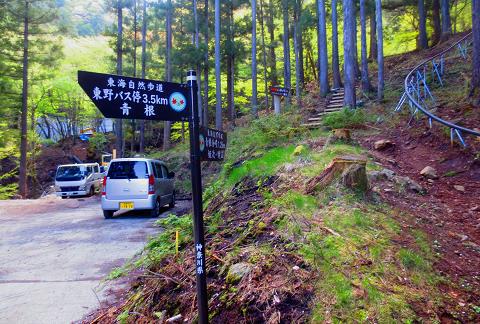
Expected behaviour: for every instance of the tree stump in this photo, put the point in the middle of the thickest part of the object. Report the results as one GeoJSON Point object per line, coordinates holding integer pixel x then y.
{"type": "Point", "coordinates": [340, 134]}
{"type": "Point", "coordinates": [351, 168]}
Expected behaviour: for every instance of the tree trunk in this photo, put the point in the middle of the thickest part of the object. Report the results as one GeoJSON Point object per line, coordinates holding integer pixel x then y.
{"type": "Point", "coordinates": [286, 47]}
{"type": "Point", "coordinates": [230, 67]}
{"type": "Point", "coordinates": [168, 25]}
{"type": "Point", "coordinates": [357, 66]}
{"type": "Point", "coordinates": [349, 52]}
{"type": "Point", "coordinates": [373, 36]}
{"type": "Point", "coordinates": [311, 61]}
{"type": "Point", "coordinates": [206, 68]}
{"type": "Point", "coordinates": [337, 80]}
{"type": "Point", "coordinates": [296, 23]}
{"type": "Point", "coordinates": [475, 93]}
{"type": "Point", "coordinates": [119, 122]}
{"type": "Point", "coordinates": [446, 23]}
{"type": "Point", "coordinates": [218, 90]}
{"type": "Point", "coordinates": [22, 185]}
{"type": "Point", "coordinates": [363, 27]}
{"type": "Point", "coordinates": [264, 52]}
{"type": "Point", "coordinates": [300, 46]}
{"type": "Point", "coordinates": [422, 25]}
{"type": "Point", "coordinates": [381, 82]}
{"type": "Point", "coordinates": [322, 49]}
{"type": "Point", "coordinates": [254, 58]}
{"type": "Point", "coordinates": [144, 57]}
{"type": "Point", "coordinates": [197, 46]}
{"type": "Point", "coordinates": [436, 22]}
{"type": "Point", "coordinates": [271, 47]}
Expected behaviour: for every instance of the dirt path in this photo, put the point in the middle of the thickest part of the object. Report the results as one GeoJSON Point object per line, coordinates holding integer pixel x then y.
{"type": "Point", "coordinates": [448, 213]}
{"type": "Point", "coordinates": [56, 252]}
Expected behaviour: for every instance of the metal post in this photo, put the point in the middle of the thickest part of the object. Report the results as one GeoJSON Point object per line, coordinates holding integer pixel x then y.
{"type": "Point", "coordinates": [200, 270]}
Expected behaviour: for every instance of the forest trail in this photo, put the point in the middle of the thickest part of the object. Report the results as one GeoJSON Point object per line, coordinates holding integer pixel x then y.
{"type": "Point", "coordinates": [449, 211]}
{"type": "Point", "coordinates": [335, 103]}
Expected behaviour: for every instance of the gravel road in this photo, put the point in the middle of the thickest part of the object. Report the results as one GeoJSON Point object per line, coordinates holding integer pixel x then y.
{"type": "Point", "coordinates": [54, 254]}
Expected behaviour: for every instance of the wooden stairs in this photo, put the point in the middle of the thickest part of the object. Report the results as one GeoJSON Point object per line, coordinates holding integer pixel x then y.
{"type": "Point", "coordinates": [334, 104]}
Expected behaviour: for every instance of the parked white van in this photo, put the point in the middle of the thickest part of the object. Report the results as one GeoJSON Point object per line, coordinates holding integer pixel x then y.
{"type": "Point", "coordinates": [73, 180]}
{"type": "Point", "coordinates": [137, 184]}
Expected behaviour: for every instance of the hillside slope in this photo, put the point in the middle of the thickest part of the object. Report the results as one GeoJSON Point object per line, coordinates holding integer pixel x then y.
{"type": "Point", "coordinates": [283, 245]}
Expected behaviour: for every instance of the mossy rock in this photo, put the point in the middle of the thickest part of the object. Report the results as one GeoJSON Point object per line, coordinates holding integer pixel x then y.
{"type": "Point", "coordinates": [238, 271]}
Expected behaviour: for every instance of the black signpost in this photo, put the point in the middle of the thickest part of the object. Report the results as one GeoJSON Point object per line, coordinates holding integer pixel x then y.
{"type": "Point", "coordinates": [132, 98]}
{"type": "Point", "coordinates": [212, 144]}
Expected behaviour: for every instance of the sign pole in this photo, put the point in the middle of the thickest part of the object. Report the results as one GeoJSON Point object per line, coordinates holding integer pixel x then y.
{"type": "Point", "coordinates": [198, 228]}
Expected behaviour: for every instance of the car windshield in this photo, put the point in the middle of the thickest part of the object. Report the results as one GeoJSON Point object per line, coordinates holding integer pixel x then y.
{"type": "Point", "coordinates": [128, 170]}
{"type": "Point", "coordinates": [71, 173]}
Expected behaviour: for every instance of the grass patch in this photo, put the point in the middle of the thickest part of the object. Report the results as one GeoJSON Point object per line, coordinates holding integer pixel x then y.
{"type": "Point", "coordinates": [350, 243]}
{"type": "Point", "coordinates": [450, 173]}
{"type": "Point", "coordinates": [265, 165]}
{"type": "Point", "coordinates": [164, 244]}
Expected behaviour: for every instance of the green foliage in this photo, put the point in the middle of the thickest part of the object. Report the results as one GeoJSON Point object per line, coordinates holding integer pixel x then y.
{"type": "Point", "coordinates": [122, 318]}
{"type": "Point", "coordinates": [8, 191]}
{"type": "Point", "coordinates": [347, 118]}
{"type": "Point", "coordinates": [98, 142]}
{"type": "Point", "coordinates": [116, 273]}
{"type": "Point", "coordinates": [164, 244]}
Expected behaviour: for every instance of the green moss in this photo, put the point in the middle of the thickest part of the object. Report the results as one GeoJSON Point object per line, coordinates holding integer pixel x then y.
{"type": "Point", "coordinates": [265, 165]}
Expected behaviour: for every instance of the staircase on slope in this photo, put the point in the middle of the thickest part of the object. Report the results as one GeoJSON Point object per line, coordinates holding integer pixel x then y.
{"type": "Point", "coordinates": [334, 104]}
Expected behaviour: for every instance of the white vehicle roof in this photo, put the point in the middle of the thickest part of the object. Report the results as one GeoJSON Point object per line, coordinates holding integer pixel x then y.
{"type": "Point", "coordinates": [77, 164]}
{"type": "Point", "coordinates": [136, 159]}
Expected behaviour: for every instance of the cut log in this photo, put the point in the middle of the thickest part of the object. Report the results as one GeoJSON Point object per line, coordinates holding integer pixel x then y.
{"type": "Point", "coordinates": [338, 167]}
{"type": "Point", "coordinates": [355, 177]}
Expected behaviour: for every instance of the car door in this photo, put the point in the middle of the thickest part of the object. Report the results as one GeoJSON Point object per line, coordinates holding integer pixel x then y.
{"type": "Point", "coordinates": [160, 183]}
{"type": "Point", "coordinates": [169, 184]}
{"type": "Point", "coordinates": [97, 176]}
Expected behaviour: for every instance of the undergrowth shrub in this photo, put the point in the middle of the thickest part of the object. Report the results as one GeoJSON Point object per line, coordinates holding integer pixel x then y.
{"type": "Point", "coordinates": [268, 131]}
{"type": "Point", "coordinates": [347, 118]}
{"type": "Point", "coordinates": [164, 244]}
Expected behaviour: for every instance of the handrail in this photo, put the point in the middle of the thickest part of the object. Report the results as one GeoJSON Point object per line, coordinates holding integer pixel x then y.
{"type": "Point", "coordinates": [417, 77]}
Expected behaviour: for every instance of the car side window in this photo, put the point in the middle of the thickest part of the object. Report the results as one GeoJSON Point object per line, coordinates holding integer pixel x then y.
{"type": "Point", "coordinates": [96, 169]}
{"type": "Point", "coordinates": [165, 171]}
{"type": "Point", "coordinates": [158, 170]}
{"type": "Point", "coordinates": [155, 170]}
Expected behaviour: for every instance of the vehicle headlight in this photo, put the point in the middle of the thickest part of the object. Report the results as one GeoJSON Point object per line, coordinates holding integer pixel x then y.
{"type": "Point", "coordinates": [57, 188]}
{"type": "Point", "coordinates": [81, 188]}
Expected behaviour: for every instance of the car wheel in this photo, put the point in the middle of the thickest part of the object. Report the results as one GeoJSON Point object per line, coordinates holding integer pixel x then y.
{"type": "Point", "coordinates": [156, 210]}
{"type": "Point", "coordinates": [172, 203]}
{"type": "Point", "coordinates": [64, 197]}
{"type": "Point", "coordinates": [108, 214]}
{"type": "Point", "coordinates": [92, 191]}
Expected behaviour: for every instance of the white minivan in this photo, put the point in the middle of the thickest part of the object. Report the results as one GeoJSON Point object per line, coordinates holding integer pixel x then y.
{"type": "Point", "coordinates": [73, 180]}
{"type": "Point", "coordinates": [137, 184]}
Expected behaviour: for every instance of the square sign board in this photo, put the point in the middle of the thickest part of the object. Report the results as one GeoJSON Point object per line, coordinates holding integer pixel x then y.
{"type": "Point", "coordinates": [133, 98]}
{"type": "Point", "coordinates": [212, 144]}
{"type": "Point", "coordinates": [279, 91]}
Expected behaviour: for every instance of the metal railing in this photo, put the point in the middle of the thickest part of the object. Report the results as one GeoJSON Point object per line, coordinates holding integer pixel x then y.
{"type": "Point", "coordinates": [417, 91]}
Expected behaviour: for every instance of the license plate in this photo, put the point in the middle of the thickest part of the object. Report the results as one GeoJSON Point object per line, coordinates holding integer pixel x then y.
{"type": "Point", "coordinates": [126, 205]}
